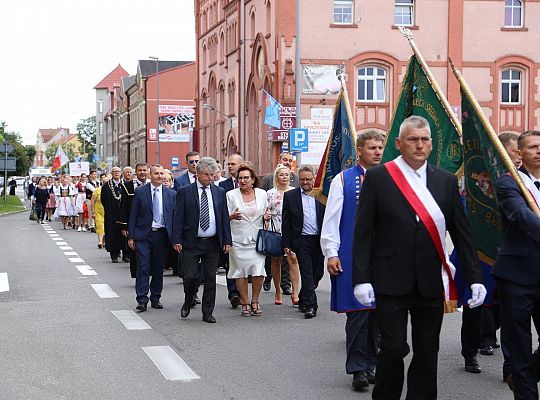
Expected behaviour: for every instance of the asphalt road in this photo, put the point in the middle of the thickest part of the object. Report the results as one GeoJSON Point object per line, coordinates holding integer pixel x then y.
{"type": "Point", "coordinates": [60, 340]}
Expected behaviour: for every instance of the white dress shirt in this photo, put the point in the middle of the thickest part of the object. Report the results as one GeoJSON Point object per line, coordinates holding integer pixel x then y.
{"type": "Point", "coordinates": [192, 177]}
{"type": "Point", "coordinates": [211, 231]}
{"type": "Point", "coordinates": [310, 215]}
{"type": "Point", "coordinates": [159, 194]}
{"type": "Point", "coordinates": [330, 237]}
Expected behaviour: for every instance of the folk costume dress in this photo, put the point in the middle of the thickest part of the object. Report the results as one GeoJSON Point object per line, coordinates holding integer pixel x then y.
{"type": "Point", "coordinates": [65, 201]}
{"type": "Point", "coordinates": [81, 198]}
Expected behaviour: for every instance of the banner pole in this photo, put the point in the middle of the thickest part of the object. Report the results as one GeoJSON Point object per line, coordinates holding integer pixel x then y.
{"type": "Point", "coordinates": [407, 33]}
{"type": "Point", "coordinates": [494, 139]}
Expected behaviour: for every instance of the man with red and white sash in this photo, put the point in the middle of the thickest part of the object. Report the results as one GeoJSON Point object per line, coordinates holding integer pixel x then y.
{"type": "Point", "coordinates": [336, 243]}
{"type": "Point", "coordinates": [517, 268]}
{"type": "Point", "coordinates": [399, 258]}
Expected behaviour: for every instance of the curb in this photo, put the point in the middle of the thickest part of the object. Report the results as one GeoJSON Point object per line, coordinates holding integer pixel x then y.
{"type": "Point", "coordinates": [13, 212]}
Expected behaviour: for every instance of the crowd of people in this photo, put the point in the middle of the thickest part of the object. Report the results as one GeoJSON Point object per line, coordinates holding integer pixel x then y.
{"type": "Point", "coordinates": [381, 236]}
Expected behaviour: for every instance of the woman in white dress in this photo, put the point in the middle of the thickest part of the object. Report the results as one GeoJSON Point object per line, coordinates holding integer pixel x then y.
{"type": "Point", "coordinates": [282, 177]}
{"type": "Point", "coordinates": [80, 201]}
{"type": "Point", "coordinates": [247, 210]}
{"type": "Point", "coordinates": [65, 194]}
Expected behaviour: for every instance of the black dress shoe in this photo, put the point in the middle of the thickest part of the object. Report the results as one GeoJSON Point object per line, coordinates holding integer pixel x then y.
{"type": "Point", "coordinates": [196, 300]}
{"type": "Point", "coordinates": [114, 260]}
{"type": "Point", "coordinates": [184, 311]}
{"type": "Point", "coordinates": [235, 301]}
{"type": "Point", "coordinates": [141, 307]}
{"type": "Point", "coordinates": [486, 351]}
{"type": "Point", "coordinates": [472, 366]}
{"type": "Point", "coordinates": [360, 380]}
{"type": "Point", "coordinates": [302, 308]}
{"type": "Point", "coordinates": [125, 259]}
{"type": "Point", "coordinates": [287, 290]}
{"type": "Point", "coordinates": [209, 318]}
{"type": "Point", "coordinates": [156, 304]}
{"type": "Point", "coordinates": [266, 286]}
{"type": "Point", "coordinates": [370, 376]}
{"type": "Point", "coordinates": [310, 313]}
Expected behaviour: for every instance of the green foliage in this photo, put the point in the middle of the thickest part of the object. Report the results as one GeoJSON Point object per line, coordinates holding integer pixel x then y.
{"type": "Point", "coordinates": [13, 204]}
{"type": "Point", "coordinates": [86, 130]}
{"type": "Point", "coordinates": [24, 154]}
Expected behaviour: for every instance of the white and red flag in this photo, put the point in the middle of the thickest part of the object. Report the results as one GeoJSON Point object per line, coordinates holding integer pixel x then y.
{"type": "Point", "coordinates": [60, 159]}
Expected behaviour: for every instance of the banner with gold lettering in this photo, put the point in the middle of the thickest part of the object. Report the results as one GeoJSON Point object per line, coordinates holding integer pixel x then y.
{"type": "Point", "coordinates": [419, 98]}
{"type": "Point", "coordinates": [481, 169]}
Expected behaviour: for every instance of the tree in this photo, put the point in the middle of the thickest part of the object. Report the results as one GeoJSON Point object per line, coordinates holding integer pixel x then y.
{"type": "Point", "coordinates": [86, 130]}
{"type": "Point", "coordinates": [24, 155]}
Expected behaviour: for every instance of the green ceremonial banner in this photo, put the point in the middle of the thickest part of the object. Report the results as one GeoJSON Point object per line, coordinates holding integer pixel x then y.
{"type": "Point", "coordinates": [482, 168]}
{"type": "Point", "coordinates": [419, 98]}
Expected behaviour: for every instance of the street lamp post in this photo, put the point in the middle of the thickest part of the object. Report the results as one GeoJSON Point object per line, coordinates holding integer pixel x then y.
{"type": "Point", "coordinates": [157, 107]}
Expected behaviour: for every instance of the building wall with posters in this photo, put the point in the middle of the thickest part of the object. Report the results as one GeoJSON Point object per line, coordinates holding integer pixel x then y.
{"type": "Point", "coordinates": [363, 36]}
{"type": "Point", "coordinates": [234, 69]}
{"type": "Point", "coordinates": [177, 93]}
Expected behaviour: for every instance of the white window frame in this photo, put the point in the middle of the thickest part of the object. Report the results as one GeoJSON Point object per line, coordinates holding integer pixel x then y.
{"type": "Point", "coordinates": [362, 74]}
{"type": "Point", "coordinates": [400, 4]}
{"type": "Point", "coordinates": [342, 4]}
{"type": "Point", "coordinates": [509, 82]}
{"type": "Point", "coordinates": [514, 8]}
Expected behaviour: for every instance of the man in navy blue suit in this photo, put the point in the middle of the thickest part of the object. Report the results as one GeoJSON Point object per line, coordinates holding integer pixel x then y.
{"type": "Point", "coordinates": [517, 267]}
{"type": "Point", "coordinates": [150, 230]}
{"type": "Point", "coordinates": [188, 177]}
{"type": "Point", "coordinates": [201, 229]}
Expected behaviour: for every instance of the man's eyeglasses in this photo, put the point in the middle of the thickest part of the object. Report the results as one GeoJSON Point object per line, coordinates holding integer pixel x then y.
{"type": "Point", "coordinates": [193, 161]}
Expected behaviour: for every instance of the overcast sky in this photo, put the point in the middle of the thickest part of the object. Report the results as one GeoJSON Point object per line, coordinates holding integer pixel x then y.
{"type": "Point", "coordinates": [53, 52]}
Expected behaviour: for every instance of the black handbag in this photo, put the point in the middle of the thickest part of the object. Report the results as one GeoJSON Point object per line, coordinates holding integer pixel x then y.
{"type": "Point", "coordinates": [269, 241]}
{"type": "Point", "coordinates": [33, 214]}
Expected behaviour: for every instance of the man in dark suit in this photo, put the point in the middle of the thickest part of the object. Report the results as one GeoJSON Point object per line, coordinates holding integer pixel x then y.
{"type": "Point", "coordinates": [190, 176]}
{"type": "Point", "coordinates": [517, 267]}
{"type": "Point", "coordinates": [150, 230]}
{"type": "Point", "coordinates": [233, 163]}
{"type": "Point", "coordinates": [111, 194]}
{"type": "Point", "coordinates": [302, 219]}
{"type": "Point", "coordinates": [394, 251]}
{"type": "Point", "coordinates": [286, 159]}
{"type": "Point", "coordinates": [201, 229]}
{"type": "Point", "coordinates": [128, 191]}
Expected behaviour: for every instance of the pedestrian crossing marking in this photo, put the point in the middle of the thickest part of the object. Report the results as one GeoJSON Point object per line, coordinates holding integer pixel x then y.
{"type": "Point", "coordinates": [4, 283]}
{"type": "Point", "coordinates": [104, 291]}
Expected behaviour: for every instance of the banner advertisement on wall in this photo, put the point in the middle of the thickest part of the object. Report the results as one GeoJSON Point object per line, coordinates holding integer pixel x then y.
{"type": "Point", "coordinates": [319, 132]}
{"type": "Point", "coordinates": [176, 122]}
{"type": "Point", "coordinates": [320, 79]}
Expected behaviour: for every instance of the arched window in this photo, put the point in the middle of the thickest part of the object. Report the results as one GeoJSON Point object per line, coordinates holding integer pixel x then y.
{"type": "Point", "coordinates": [513, 13]}
{"type": "Point", "coordinates": [511, 86]}
{"type": "Point", "coordinates": [371, 84]}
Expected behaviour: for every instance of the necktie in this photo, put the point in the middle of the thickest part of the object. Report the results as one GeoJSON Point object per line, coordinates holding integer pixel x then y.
{"type": "Point", "coordinates": [235, 183]}
{"type": "Point", "coordinates": [205, 214]}
{"type": "Point", "coordinates": [537, 184]}
{"type": "Point", "coordinates": [155, 206]}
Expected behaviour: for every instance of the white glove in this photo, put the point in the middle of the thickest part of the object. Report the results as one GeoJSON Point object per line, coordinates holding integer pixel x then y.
{"type": "Point", "coordinates": [478, 295]}
{"type": "Point", "coordinates": [364, 294]}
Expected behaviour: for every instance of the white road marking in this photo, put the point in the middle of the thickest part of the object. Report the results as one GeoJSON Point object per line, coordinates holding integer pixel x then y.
{"type": "Point", "coordinates": [4, 283]}
{"type": "Point", "coordinates": [104, 291]}
{"type": "Point", "coordinates": [221, 280]}
{"type": "Point", "coordinates": [61, 243]}
{"type": "Point", "coordinates": [49, 231]}
{"type": "Point", "coordinates": [75, 259]}
{"type": "Point", "coordinates": [57, 238]}
{"type": "Point", "coordinates": [54, 235]}
{"type": "Point", "coordinates": [66, 248]}
{"type": "Point", "coordinates": [131, 320]}
{"type": "Point", "coordinates": [70, 253]}
{"type": "Point", "coordinates": [171, 366]}
{"type": "Point", "coordinates": [85, 269]}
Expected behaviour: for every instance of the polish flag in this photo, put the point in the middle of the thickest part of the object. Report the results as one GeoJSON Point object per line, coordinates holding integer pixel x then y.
{"type": "Point", "coordinates": [60, 159]}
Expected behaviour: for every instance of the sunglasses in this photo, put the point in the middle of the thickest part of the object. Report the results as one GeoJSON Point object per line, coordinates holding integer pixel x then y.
{"type": "Point", "coordinates": [193, 162]}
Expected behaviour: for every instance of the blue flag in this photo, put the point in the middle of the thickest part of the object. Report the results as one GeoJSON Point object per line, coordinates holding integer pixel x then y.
{"type": "Point", "coordinates": [340, 152]}
{"type": "Point", "coordinates": [271, 116]}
